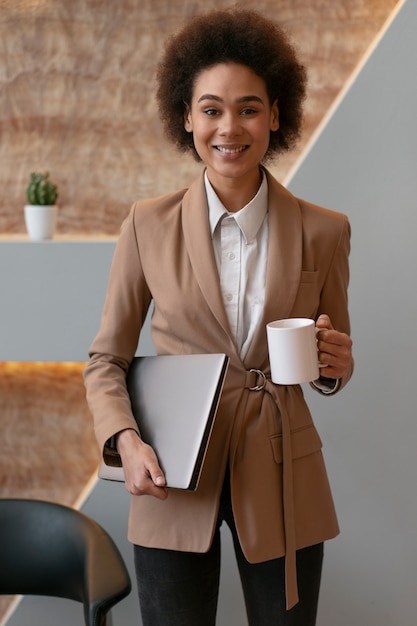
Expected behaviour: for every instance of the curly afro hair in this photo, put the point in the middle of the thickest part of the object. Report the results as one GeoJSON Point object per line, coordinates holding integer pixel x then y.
{"type": "Point", "coordinates": [239, 36]}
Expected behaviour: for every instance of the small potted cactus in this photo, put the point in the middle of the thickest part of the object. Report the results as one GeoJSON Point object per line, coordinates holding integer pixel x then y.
{"type": "Point", "coordinates": [41, 212]}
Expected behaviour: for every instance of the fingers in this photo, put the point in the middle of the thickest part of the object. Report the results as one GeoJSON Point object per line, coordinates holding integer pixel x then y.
{"type": "Point", "coordinates": [143, 474]}
{"type": "Point", "coordinates": [155, 481]}
{"type": "Point", "coordinates": [335, 352]}
{"type": "Point", "coordinates": [324, 322]}
{"type": "Point", "coordinates": [142, 483]}
{"type": "Point", "coordinates": [335, 349]}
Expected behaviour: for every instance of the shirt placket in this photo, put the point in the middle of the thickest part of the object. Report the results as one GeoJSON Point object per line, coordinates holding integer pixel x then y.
{"type": "Point", "coordinates": [230, 272]}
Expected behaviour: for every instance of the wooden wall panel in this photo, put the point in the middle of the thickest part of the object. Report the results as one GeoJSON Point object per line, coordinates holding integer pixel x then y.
{"type": "Point", "coordinates": [48, 446]}
{"type": "Point", "coordinates": [77, 95]}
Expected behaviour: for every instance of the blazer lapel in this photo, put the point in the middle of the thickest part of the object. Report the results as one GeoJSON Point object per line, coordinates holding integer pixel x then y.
{"type": "Point", "coordinates": [284, 264]}
{"type": "Point", "coordinates": [198, 241]}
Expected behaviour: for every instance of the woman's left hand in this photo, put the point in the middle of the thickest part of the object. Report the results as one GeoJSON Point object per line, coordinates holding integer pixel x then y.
{"type": "Point", "coordinates": [335, 349]}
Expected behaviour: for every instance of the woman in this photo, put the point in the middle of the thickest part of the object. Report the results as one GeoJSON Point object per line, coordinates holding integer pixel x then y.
{"type": "Point", "coordinates": [219, 260]}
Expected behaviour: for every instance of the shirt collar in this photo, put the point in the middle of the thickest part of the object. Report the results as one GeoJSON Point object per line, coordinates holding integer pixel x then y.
{"type": "Point", "coordinates": [249, 218]}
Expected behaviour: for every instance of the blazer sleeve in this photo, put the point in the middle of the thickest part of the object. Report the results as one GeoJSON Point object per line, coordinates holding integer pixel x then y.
{"type": "Point", "coordinates": [334, 295]}
{"type": "Point", "coordinates": [125, 308]}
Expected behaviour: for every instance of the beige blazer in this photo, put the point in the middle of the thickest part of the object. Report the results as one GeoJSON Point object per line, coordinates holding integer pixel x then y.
{"type": "Point", "coordinates": [165, 255]}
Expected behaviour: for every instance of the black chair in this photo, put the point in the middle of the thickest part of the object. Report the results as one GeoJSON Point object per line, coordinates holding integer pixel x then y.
{"type": "Point", "coordinates": [52, 550]}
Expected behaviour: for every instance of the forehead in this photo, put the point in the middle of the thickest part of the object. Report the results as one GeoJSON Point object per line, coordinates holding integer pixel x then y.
{"type": "Point", "coordinates": [228, 79]}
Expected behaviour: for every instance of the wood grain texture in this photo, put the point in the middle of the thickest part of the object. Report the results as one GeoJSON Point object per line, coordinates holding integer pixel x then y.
{"type": "Point", "coordinates": [77, 95]}
{"type": "Point", "coordinates": [48, 446]}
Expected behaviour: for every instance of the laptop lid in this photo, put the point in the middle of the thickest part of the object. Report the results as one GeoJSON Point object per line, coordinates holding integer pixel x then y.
{"type": "Point", "coordinates": [174, 401]}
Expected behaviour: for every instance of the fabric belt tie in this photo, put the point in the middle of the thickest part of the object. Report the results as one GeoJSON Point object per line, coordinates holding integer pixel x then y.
{"type": "Point", "coordinates": [256, 381]}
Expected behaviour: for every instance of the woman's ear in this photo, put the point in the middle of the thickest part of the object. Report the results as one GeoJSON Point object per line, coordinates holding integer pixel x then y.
{"type": "Point", "coordinates": [188, 125]}
{"type": "Point", "coordinates": [274, 116]}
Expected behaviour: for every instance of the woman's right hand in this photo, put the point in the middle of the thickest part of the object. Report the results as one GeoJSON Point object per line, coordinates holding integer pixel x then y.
{"type": "Point", "coordinates": [143, 475]}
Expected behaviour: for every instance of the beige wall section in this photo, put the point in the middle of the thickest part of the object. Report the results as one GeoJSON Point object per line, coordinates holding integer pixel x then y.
{"type": "Point", "coordinates": [77, 95]}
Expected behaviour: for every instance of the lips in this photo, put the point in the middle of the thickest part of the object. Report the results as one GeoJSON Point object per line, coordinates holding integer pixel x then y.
{"type": "Point", "coordinates": [231, 149]}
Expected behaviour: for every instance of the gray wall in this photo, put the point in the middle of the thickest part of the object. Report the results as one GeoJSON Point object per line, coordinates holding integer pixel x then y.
{"type": "Point", "coordinates": [364, 163]}
{"type": "Point", "coordinates": [52, 293]}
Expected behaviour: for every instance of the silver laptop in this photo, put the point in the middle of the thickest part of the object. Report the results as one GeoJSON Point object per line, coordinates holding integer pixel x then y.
{"type": "Point", "coordinates": [174, 401]}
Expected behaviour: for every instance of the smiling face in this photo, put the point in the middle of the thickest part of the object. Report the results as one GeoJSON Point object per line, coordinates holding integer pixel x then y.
{"type": "Point", "coordinates": [231, 117]}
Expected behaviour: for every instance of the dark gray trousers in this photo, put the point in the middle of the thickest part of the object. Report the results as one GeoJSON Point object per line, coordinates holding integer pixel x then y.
{"type": "Point", "coordinates": [181, 588]}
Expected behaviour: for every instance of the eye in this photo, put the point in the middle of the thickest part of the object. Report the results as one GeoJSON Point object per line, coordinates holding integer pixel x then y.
{"type": "Point", "coordinates": [248, 111]}
{"type": "Point", "coordinates": [210, 111]}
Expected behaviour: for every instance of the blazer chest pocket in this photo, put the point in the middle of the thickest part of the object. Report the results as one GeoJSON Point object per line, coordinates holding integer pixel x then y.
{"type": "Point", "coordinates": [308, 295]}
{"type": "Point", "coordinates": [304, 441]}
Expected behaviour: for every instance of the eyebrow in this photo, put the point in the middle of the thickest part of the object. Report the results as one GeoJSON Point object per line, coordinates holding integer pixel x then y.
{"type": "Point", "coordinates": [243, 99]}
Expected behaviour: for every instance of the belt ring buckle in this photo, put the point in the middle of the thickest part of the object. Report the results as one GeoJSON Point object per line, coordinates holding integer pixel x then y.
{"type": "Point", "coordinates": [259, 373]}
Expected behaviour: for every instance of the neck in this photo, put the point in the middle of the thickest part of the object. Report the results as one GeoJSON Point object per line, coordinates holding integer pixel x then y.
{"type": "Point", "coordinates": [235, 193]}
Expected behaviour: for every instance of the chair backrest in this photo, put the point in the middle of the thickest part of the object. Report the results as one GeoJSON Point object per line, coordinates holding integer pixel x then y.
{"type": "Point", "coordinates": [53, 550]}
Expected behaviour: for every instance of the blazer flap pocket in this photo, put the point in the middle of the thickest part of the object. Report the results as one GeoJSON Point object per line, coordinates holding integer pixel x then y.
{"type": "Point", "coordinates": [304, 441]}
{"type": "Point", "coordinates": [309, 277]}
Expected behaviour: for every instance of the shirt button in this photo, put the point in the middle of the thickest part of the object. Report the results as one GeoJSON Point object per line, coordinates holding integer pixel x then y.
{"type": "Point", "coordinates": [231, 256]}
{"type": "Point", "coordinates": [229, 297]}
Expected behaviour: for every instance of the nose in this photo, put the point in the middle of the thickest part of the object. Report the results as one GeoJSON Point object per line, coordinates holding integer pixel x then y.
{"type": "Point", "coordinates": [230, 125]}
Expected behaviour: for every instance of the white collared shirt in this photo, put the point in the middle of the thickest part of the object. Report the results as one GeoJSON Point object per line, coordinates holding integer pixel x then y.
{"type": "Point", "coordinates": [240, 242]}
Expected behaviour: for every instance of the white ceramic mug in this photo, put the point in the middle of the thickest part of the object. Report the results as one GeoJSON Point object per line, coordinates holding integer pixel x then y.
{"type": "Point", "coordinates": [292, 346]}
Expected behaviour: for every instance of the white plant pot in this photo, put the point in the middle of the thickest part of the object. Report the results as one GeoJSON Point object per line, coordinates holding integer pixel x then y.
{"type": "Point", "coordinates": [40, 221]}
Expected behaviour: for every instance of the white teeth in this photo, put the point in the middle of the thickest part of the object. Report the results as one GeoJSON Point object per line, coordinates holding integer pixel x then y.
{"type": "Point", "coordinates": [231, 150]}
